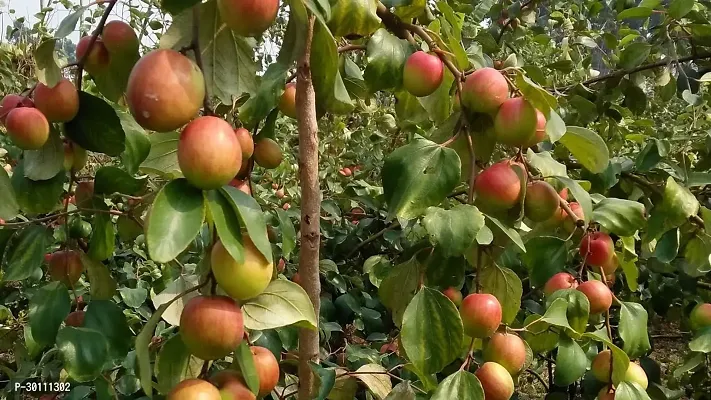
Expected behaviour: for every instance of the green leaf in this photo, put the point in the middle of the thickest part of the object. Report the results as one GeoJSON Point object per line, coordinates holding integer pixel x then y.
{"type": "Point", "coordinates": [399, 286]}
{"type": "Point", "coordinates": [580, 194]}
{"type": "Point", "coordinates": [631, 391]}
{"type": "Point", "coordinates": [325, 379]}
{"type": "Point", "coordinates": [679, 8]}
{"type": "Point", "coordinates": [462, 385]}
{"type": "Point", "coordinates": [545, 163]}
{"type": "Point", "coordinates": [402, 391]}
{"type": "Point", "coordinates": [111, 180]}
{"type": "Point", "coordinates": [697, 253]}
{"type": "Point", "coordinates": [634, 54]}
{"type": "Point", "coordinates": [282, 303]}
{"type": "Point", "coordinates": [226, 223]}
{"type": "Point", "coordinates": [48, 308]}
{"type": "Point", "coordinates": [47, 162]}
{"type": "Point", "coordinates": [570, 362]}
{"type": "Point", "coordinates": [354, 17]}
{"type": "Point", "coordinates": [538, 96]}
{"type": "Point", "coordinates": [633, 329]}
{"type": "Point", "coordinates": [432, 331]}
{"type": "Point", "coordinates": [578, 310]}
{"type": "Point", "coordinates": [538, 336]}
{"type": "Point", "coordinates": [667, 247]}
{"type": "Point", "coordinates": [103, 286]}
{"type": "Point", "coordinates": [375, 378]}
{"type": "Point", "coordinates": [245, 360]}
{"type": "Point", "coordinates": [176, 6]}
{"type": "Point", "coordinates": [386, 55]}
{"type": "Point", "coordinates": [138, 144]}
{"type": "Point", "coordinates": [557, 314]}
{"type": "Point", "coordinates": [288, 233]}
{"type": "Point", "coordinates": [36, 197]}
{"type": "Point", "coordinates": [103, 235]}
{"type": "Point", "coordinates": [546, 256]}
{"type": "Point", "coordinates": [133, 297]}
{"type": "Point", "coordinates": [619, 216]}
{"type": "Point", "coordinates": [588, 147]}
{"type": "Point", "coordinates": [251, 217]}
{"type": "Point", "coordinates": [96, 127]}
{"type": "Point", "coordinates": [69, 23]}
{"type": "Point", "coordinates": [453, 231]}
{"type": "Point", "coordinates": [635, 13]}
{"type": "Point", "coordinates": [84, 351]}
{"type": "Point", "coordinates": [331, 93]}
{"type": "Point", "coordinates": [163, 157]}
{"type": "Point", "coordinates": [228, 59]}
{"type": "Point", "coordinates": [113, 80]}
{"type": "Point", "coordinates": [481, 9]}
{"type": "Point", "coordinates": [9, 208]}
{"type": "Point", "coordinates": [174, 364]}
{"type": "Point", "coordinates": [106, 317]}
{"type": "Point", "coordinates": [508, 231]}
{"type": "Point", "coordinates": [506, 286]}
{"type": "Point", "coordinates": [25, 253]}
{"type": "Point", "coordinates": [175, 219]}
{"type": "Point", "coordinates": [701, 342]}
{"type": "Point", "coordinates": [47, 70]}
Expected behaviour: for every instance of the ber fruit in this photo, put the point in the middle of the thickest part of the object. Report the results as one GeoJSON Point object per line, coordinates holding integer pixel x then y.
{"type": "Point", "coordinates": [540, 130]}
{"type": "Point", "coordinates": [97, 61]}
{"type": "Point", "coordinates": [541, 201]}
{"type": "Point", "coordinates": [700, 316]}
{"type": "Point", "coordinates": [27, 127]}
{"type": "Point", "coordinates": [12, 101]}
{"type": "Point", "coordinates": [59, 103]}
{"type": "Point", "coordinates": [485, 90]}
{"type": "Point", "coordinates": [267, 153]}
{"type": "Point", "coordinates": [561, 280]}
{"type": "Point", "coordinates": [635, 373]}
{"type": "Point", "coordinates": [423, 74]}
{"type": "Point", "coordinates": [232, 386]}
{"type": "Point", "coordinates": [481, 315]}
{"type": "Point", "coordinates": [194, 389]}
{"type": "Point", "coordinates": [119, 38]}
{"type": "Point", "coordinates": [496, 381]}
{"type": "Point", "coordinates": [287, 101]}
{"type": "Point", "coordinates": [75, 319]}
{"type": "Point", "coordinates": [209, 153]}
{"type": "Point", "coordinates": [211, 326]}
{"type": "Point", "coordinates": [66, 267]}
{"type": "Point", "coordinates": [453, 294]}
{"type": "Point", "coordinates": [597, 248]}
{"type": "Point", "coordinates": [598, 294]}
{"type": "Point", "coordinates": [246, 143]}
{"type": "Point", "coordinates": [507, 350]}
{"type": "Point", "coordinates": [75, 157]}
{"type": "Point", "coordinates": [248, 17]}
{"type": "Point", "coordinates": [243, 280]}
{"type": "Point", "coordinates": [267, 368]}
{"type": "Point", "coordinates": [165, 90]}
{"type": "Point", "coordinates": [515, 122]}
{"type": "Point", "coordinates": [498, 187]}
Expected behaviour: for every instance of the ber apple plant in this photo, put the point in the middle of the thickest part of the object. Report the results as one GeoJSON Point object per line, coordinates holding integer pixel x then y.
{"type": "Point", "coordinates": [358, 199]}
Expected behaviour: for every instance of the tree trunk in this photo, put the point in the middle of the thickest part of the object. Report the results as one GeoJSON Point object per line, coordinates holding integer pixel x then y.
{"type": "Point", "coordinates": [310, 210]}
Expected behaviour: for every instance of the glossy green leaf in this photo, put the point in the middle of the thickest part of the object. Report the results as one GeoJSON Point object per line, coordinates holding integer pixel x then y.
{"type": "Point", "coordinates": [633, 329]}
{"type": "Point", "coordinates": [176, 6]}
{"type": "Point", "coordinates": [580, 194]}
{"type": "Point", "coordinates": [354, 17]}
{"type": "Point", "coordinates": [620, 360]}
{"type": "Point", "coordinates": [103, 286]}
{"type": "Point", "coordinates": [588, 147]}
{"type": "Point", "coordinates": [111, 180]}
{"type": "Point", "coordinates": [538, 336]}
{"type": "Point", "coordinates": [402, 391]}
{"type": "Point", "coordinates": [103, 235]}
{"type": "Point", "coordinates": [399, 286]}
{"type": "Point", "coordinates": [619, 216]}
{"type": "Point", "coordinates": [36, 197]}
{"type": "Point", "coordinates": [506, 286]}
{"type": "Point", "coordinates": [138, 144]}
{"type": "Point", "coordinates": [386, 56]}
{"type": "Point", "coordinates": [557, 314]}
{"type": "Point", "coordinates": [702, 341]}
{"type": "Point", "coordinates": [634, 13]}
{"type": "Point", "coordinates": [69, 23]}
{"type": "Point", "coordinates": [288, 233]}
{"type": "Point", "coordinates": [174, 364]}
{"type": "Point", "coordinates": [461, 385]}
{"type": "Point", "coordinates": [538, 96]}
{"type": "Point", "coordinates": [570, 362]}
{"type": "Point", "coordinates": [25, 253]}
{"type": "Point", "coordinates": [106, 317]}
{"type": "Point", "coordinates": [227, 224]}
{"type": "Point", "coordinates": [634, 54]}
{"type": "Point", "coordinates": [331, 93]}
{"type": "Point", "coordinates": [162, 159]}
{"type": "Point", "coordinates": [49, 306]}
{"type": "Point", "coordinates": [546, 164]}
{"type": "Point", "coordinates": [96, 127]}
{"type": "Point", "coordinates": [245, 361]}
{"type": "Point", "coordinates": [48, 71]}
{"type": "Point", "coordinates": [84, 351]}
{"type": "Point", "coordinates": [9, 208]}
{"type": "Point", "coordinates": [251, 217]}
{"type": "Point", "coordinates": [432, 331]}
{"type": "Point", "coordinates": [282, 303]}
{"type": "Point", "coordinates": [174, 220]}
{"type": "Point", "coordinates": [47, 162]}
{"type": "Point", "coordinates": [453, 230]}
{"type": "Point", "coordinates": [631, 391]}
{"type": "Point", "coordinates": [546, 256]}
{"type": "Point", "coordinates": [679, 8]}
{"type": "Point", "coordinates": [578, 310]}
{"type": "Point", "coordinates": [508, 231]}
{"type": "Point", "coordinates": [133, 297]}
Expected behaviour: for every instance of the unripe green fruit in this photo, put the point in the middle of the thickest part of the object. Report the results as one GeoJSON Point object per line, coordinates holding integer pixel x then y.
{"type": "Point", "coordinates": [59, 103]}
{"type": "Point", "coordinates": [498, 187]}
{"type": "Point", "coordinates": [209, 153]}
{"type": "Point", "coordinates": [496, 381]}
{"type": "Point", "coordinates": [508, 350]}
{"type": "Point", "coordinates": [287, 101]}
{"type": "Point", "coordinates": [267, 153]}
{"type": "Point", "coordinates": [248, 17]}
{"type": "Point", "coordinates": [194, 389]}
{"type": "Point", "coordinates": [75, 157]}
{"type": "Point", "coordinates": [165, 90]}
{"type": "Point", "coordinates": [78, 228]}
{"type": "Point", "coordinates": [211, 326]}
{"type": "Point", "coordinates": [423, 74]}
{"type": "Point", "coordinates": [636, 374]}
{"type": "Point", "coordinates": [541, 201]}
{"type": "Point", "coordinates": [243, 280]}
{"type": "Point", "coordinates": [485, 90]}
{"type": "Point", "coordinates": [27, 127]}
{"type": "Point", "coordinates": [515, 122]}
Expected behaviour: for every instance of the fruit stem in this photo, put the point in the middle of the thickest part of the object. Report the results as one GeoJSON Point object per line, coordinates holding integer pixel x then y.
{"type": "Point", "coordinates": [195, 47]}
{"type": "Point", "coordinates": [94, 36]}
{"type": "Point", "coordinates": [579, 222]}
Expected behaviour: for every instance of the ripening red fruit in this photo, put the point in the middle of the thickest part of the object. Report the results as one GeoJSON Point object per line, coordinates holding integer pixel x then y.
{"type": "Point", "coordinates": [165, 90]}
{"type": "Point", "coordinates": [496, 381]}
{"type": "Point", "coordinates": [286, 206]}
{"type": "Point", "coordinates": [59, 103]}
{"type": "Point", "coordinates": [246, 143]}
{"type": "Point", "coordinates": [243, 280]}
{"type": "Point", "coordinates": [597, 248]}
{"type": "Point", "coordinates": [27, 127]}
{"type": "Point", "coordinates": [609, 267]}
{"type": "Point", "coordinates": [231, 386]}
{"type": "Point", "coordinates": [481, 315]}
{"type": "Point", "coordinates": [561, 280]}
{"type": "Point", "coordinates": [194, 389]}
{"type": "Point", "coordinates": [515, 122]}
{"type": "Point", "coordinates": [267, 368]}
{"type": "Point", "coordinates": [267, 153]}
{"type": "Point", "coordinates": [423, 74]}
{"type": "Point", "coordinates": [66, 267]}
{"type": "Point", "coordinates": [600, 366]}
{"type": "Point", "coordinates": [10, 102]}
{"type": "Point", "coordinates": [119, 38]}
{"type": "Point", "coordinates": [211, 326]}
{"type": "Point", "coordinates": [248, 17]}
{"type": "Point", "coordinates": [540, 130]}
{"type": "Point", "coordinates": [453, 294]}
{"type": "Point", "coordinates": [287, 101]}
{"type": "Point", "coordinates": [98, 59]}
{"type": "Point", "coordinates": [598, 294]}
{"type": "Point", "coordinates": [280, 193]}
{"type": "Point", "coordinates": [241, 185]}
{"type": "Point", "coordinates": [700, 316]}
{"type": "Point", "coordinates": [345, 172]}
{"type": "Point", "coordinates": [281, 266]}
{"type": "Point", "coordinates": [75, 319]}
{"type": "Point", "coordinates": [498, 187]}
{"type": "Point", "coordinates": [507, 350]}
{"type": "Point", "coordinates": [485, 90]}
{"type": "Point", "coordinates": [209, 153]}
{"type": "Point", "coordinates": [541, 201]}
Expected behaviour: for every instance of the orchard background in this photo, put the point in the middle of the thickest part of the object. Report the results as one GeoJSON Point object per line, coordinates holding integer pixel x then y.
{"type": "Point", "coordinates": [356, 199]}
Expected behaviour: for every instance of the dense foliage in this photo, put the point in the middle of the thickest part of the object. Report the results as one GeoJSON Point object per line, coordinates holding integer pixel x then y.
{"type": "Point", "coordinates": [512, 196]}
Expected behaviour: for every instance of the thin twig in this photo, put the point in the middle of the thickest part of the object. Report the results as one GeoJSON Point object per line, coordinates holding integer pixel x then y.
{"type": "Point", "coordinates": [394, 225]}
{"type": "Point", "coordinates": [539, 377]}
{"type": "Point", "coordinates": [195, 47]}
{"type": "Point", "coordinates": [94, 37]}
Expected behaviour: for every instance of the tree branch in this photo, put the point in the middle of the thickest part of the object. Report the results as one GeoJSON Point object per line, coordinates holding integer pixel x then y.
{"type": "Point", "coordinates": [94, 37]}
{"type": "Point", "coordinates": [373, 238]}
{"type": "Point", "coordinates": [195, 47]}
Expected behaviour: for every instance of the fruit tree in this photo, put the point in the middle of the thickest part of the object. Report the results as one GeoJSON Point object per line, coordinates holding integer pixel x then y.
{"type": "Point", "coordinates": [356, 199]}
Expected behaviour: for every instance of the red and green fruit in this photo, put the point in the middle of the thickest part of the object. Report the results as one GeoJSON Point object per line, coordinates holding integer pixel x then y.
{"type": "Point", "coordinates": [12, 101]}
{"type": "Point", "coordinates": [561, 280]}
{"type": "Point", "coordinates": [453, 294]}
{"type": "Point", "coordinates": [27, 127]}
{"type": "Point", "coordinates": [119, 38]}
{"type": "Point", "coordinates": [485, 90]}
{"type": "Point", "coordinates": [243, 280]}
{"type": "Point", "coordinates": [267, 368]}
{"type": "Point", "coordinates": [231, 386]}
{"type": "Point", "coordinates": [635, 373]}
{"type": "Point", "coordinates": [423, 74]}
{"type": "Point", "coordinates": [241, 185]}
{"type": "Point", "coordinates": [600, 366]}
{"type": "Point", "coordinates": [75, 319]}
{"type": "Point", "coordinates": [515, 122]}
{"type": "Point", "coordinates": [700, 316]}
{"type": "Point", "coordinates": [496, 381]}
{"type": "Point", "coordinates": [597, 248]}
{"type": "Point", "coordinates": [211, 326]}
{"type": "Point", "coordinates": [507, 350]}
{"type": "Point", "coordinates": [246, 143]}
{"type": "Point", "coordinates": [267, 153]}
{"type": "Point", "coordinates": [481, 315]}
{"type": "Point", "coordinates": [610, 266]}
{"type": "Point", "coordinates": [75, 157]}
{"type": "Point", "coordinates": [194, 389]}
{"type": "Point", "coordinates": [209, 153]}
{"type": "Point", "coordinates": [541, 201]}
{"type": "Point", "coordinates": [66, 267]}
{"type": "Point", "coordinates": [165, 90]}
{"type": "Point", "coordinates": [498, 187]}
{"type": "Point", "coordinates": [59, 103]}
{"type": "Point", "coordinates": [287, 101]}
{"type": "Point", "coordinates": [540, 130]}
{"type": "Point", "coordinates": [97, 61]}
{"type": "Point", "coordinates": [598, 294]}
{"type": "Point", "coordinates": [248, 17]}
